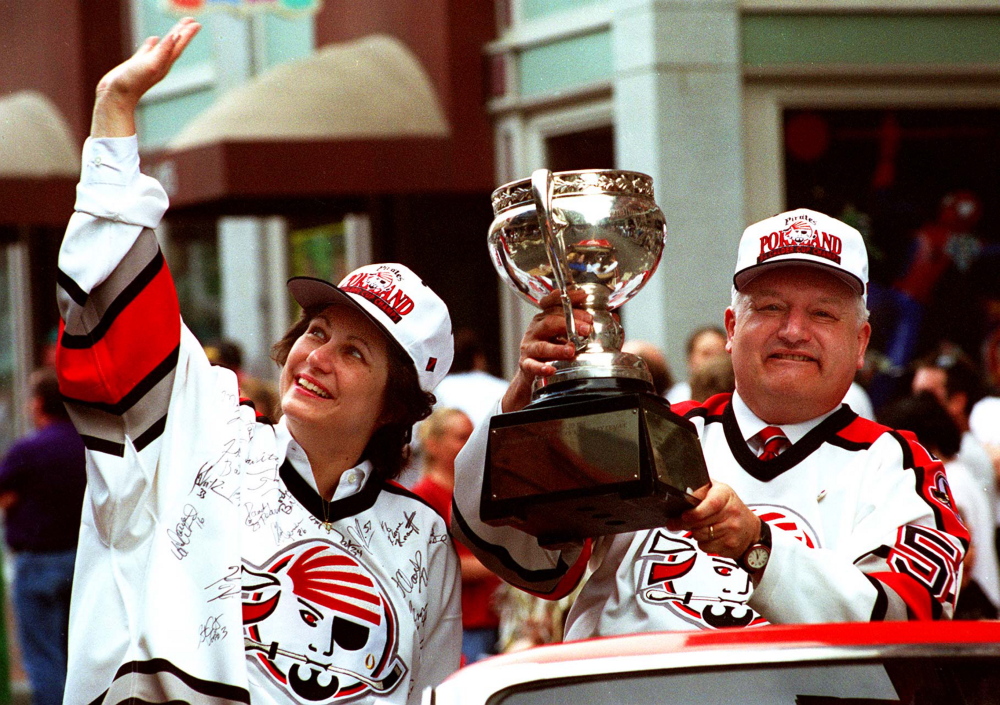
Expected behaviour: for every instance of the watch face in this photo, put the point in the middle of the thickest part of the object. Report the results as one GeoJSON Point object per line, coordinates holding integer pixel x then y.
{"type": "Point", "coordinates": [757, 557]}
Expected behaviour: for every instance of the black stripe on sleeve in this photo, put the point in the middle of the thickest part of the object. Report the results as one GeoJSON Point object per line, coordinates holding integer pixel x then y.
{"type": "Point", "coordinates": [530, 577]}
{"type": "Point", "coordinates": [882, 552]}
{"type": "Point", "coordinates": [909, 462]}
{"type": "Point", "coordinates": [213, 689]}
{"type": "Point", "coordinates": [71, 288]}
{"type": "Point", "coordinates": [100, 445]}
{"type": "Point", "coordinates": [154, 431]}
{"type": "Point", "coordinates": [881, 606]}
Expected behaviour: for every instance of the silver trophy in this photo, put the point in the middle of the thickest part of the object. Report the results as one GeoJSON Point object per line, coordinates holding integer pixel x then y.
{"type": "Point", "coordinates": [596, 451]}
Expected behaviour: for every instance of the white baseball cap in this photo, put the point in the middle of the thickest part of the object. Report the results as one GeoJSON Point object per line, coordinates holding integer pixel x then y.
{"type": "Point", "coordinates": [803, 236]}
{"type": "Point", "coordinates": [400, 304]}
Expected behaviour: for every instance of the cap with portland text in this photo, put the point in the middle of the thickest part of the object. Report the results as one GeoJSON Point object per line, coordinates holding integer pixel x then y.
{"type": "Point", "coordinates": [803, 237]}
{"type": "Point", "coordinates": [411, 315]}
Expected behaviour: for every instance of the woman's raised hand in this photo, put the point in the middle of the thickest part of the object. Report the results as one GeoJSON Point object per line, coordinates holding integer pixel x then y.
{"type": "Point", "coordinates": [119, 92]}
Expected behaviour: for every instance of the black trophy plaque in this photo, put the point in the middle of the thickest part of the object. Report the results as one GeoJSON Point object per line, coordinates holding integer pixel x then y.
{"type": "Point", "coordinates": [567, 470]}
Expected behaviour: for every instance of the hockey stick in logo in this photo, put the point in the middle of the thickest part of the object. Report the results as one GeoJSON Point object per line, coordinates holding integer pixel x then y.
{"type": "Point", "coordinates": [383, 685]}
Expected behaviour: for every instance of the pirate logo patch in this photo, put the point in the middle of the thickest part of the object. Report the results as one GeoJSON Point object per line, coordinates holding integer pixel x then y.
{"type": "Point", "coordinates": [800, 236]}
{"type": "Point", "coordinates": [940, 490]}
{"type": "Point", "coordinates": [706, 590]}
{"type": "Point", "coordinates": [319, 625]}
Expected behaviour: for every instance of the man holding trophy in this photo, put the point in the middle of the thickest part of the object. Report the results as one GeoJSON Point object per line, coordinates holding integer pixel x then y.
{"type": "Point", "coordinates": [808, 513]}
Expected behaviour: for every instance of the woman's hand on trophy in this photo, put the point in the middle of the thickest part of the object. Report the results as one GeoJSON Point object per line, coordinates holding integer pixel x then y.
{"type": "Point", "coordinates": [545, 341]}
{"type": "Point", "coordinates": [119, 92]}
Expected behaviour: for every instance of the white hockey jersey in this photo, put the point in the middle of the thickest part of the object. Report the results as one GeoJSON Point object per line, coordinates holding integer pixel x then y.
{"type": "Point", "coordinates": [209, 570]}
{"type": "Point", "coordinates": [862, 522]}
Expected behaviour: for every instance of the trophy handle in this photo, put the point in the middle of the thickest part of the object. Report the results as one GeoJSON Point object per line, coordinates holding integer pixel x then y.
{"type": "Point", "coordinates": [541, 192]}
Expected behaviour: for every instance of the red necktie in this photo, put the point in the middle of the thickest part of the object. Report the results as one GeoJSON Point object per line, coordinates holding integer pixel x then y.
{"type": "Point", "coordinates": [773, 441]}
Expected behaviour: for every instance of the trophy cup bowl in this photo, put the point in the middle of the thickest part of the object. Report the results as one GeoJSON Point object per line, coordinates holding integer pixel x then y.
{"type": "Point", "coordinates": [596, 451]}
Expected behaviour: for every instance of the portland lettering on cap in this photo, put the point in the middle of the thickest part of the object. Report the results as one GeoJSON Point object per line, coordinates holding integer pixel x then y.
{"type": "Point", "coordinates": [800, 236]}
{"type": "Point", "coordinates": [382, 290]}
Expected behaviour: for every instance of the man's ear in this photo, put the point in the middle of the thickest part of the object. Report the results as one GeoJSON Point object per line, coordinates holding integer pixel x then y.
{"type": "Point", "coordinates": [864, 335]}
{"type": "Point", "coordinates": [730, 322]}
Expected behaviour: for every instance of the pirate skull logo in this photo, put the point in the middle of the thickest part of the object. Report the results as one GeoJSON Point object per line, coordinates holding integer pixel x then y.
{"type": "Point", "coordinates": [319, 625]}
{"type": "Point", "coordinates": [379, 282]}
{"type": "Point", "coordinates": [800, 232]}
{"type": "Point", "coordinates": [706, 590]}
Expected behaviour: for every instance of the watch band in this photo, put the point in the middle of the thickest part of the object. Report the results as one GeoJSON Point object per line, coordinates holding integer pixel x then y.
{"type": "Point", "coordinates": [765, 534]}
{"type": "Point", "coordinates": [761, 550]}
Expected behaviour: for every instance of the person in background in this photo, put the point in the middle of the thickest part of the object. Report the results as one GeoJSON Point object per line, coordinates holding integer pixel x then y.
{"type": "Point", "coordinates": [469, 386]}
{"type": "Point", "coordinates": [949, 241]}
{"type": "Point", "coordinates": [261, 392]}
{"type": "Point", "coordinates": [228, 354]}
{"type": "Point", "coordinates": [953, 379]}
{"type": "Point", "coordinates": [527, 621]}
{"type": "Point", "coordinates": [923, 415]}
{"type": "Point", "coordinates": [442, 436]}
{"type": "Point", "coordinates": [655, 360]}
{"type": "Point", "coordinates": [984, 418]}
{"type": "Point", "coordinates": [716, 376]}
{"type": "Point", "coordinates": [42, 482]}
{"type": "Point", "coordinates": [702, 345]}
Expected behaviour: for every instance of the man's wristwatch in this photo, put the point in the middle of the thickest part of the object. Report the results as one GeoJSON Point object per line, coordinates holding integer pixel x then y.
{"type": "Point", "coordinates": [755, 558]}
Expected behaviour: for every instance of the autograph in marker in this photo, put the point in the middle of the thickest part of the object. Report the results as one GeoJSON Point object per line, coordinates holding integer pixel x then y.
{"type": "Point", "coordinates": [180, 535]}
{"type": "Point", "coordinates": [212, 631]}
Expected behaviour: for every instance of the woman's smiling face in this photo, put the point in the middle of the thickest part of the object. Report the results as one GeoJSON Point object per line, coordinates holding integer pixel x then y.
{"type": "Point", "coordinates": [335, 376]}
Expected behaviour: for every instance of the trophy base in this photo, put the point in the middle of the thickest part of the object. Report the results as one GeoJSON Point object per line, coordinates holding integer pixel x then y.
{"type": "Point", "coordinates": [568, 469]}
{"type": "Point", "coordinates": [593, 369]}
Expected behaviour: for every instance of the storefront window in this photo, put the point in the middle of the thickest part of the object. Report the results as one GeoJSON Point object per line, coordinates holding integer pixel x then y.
{"type": "Point", "coordinates": [193, 256]}
{"type": "Point", "coordinates": [328, 250]}
{"type": "Point", "coordinates": [319, 252]}
{"type": "Point", "coordinates": [922, 186]}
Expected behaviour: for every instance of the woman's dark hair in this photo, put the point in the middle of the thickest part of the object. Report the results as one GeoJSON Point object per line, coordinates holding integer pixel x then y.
{"type": "Point", "coordinates": [403, 401]}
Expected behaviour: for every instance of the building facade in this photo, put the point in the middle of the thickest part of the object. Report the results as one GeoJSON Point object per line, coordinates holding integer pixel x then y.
{"type": "Point", "coordinates": [871, 110]}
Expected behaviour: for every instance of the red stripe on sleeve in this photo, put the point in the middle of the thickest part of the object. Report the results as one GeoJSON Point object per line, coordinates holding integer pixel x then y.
{"type": "Point", "coordinates": [912, 592]}
{"type": "Point", "coordinates": [139, 339]}
{"type": "Point", "coordinates": [936, 491]}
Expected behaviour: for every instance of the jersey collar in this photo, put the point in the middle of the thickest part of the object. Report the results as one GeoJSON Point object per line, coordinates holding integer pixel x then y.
{"type": "Point", "coordinates": [291, 453]}
{"type": "Point", "coordinates": [750, 424]}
